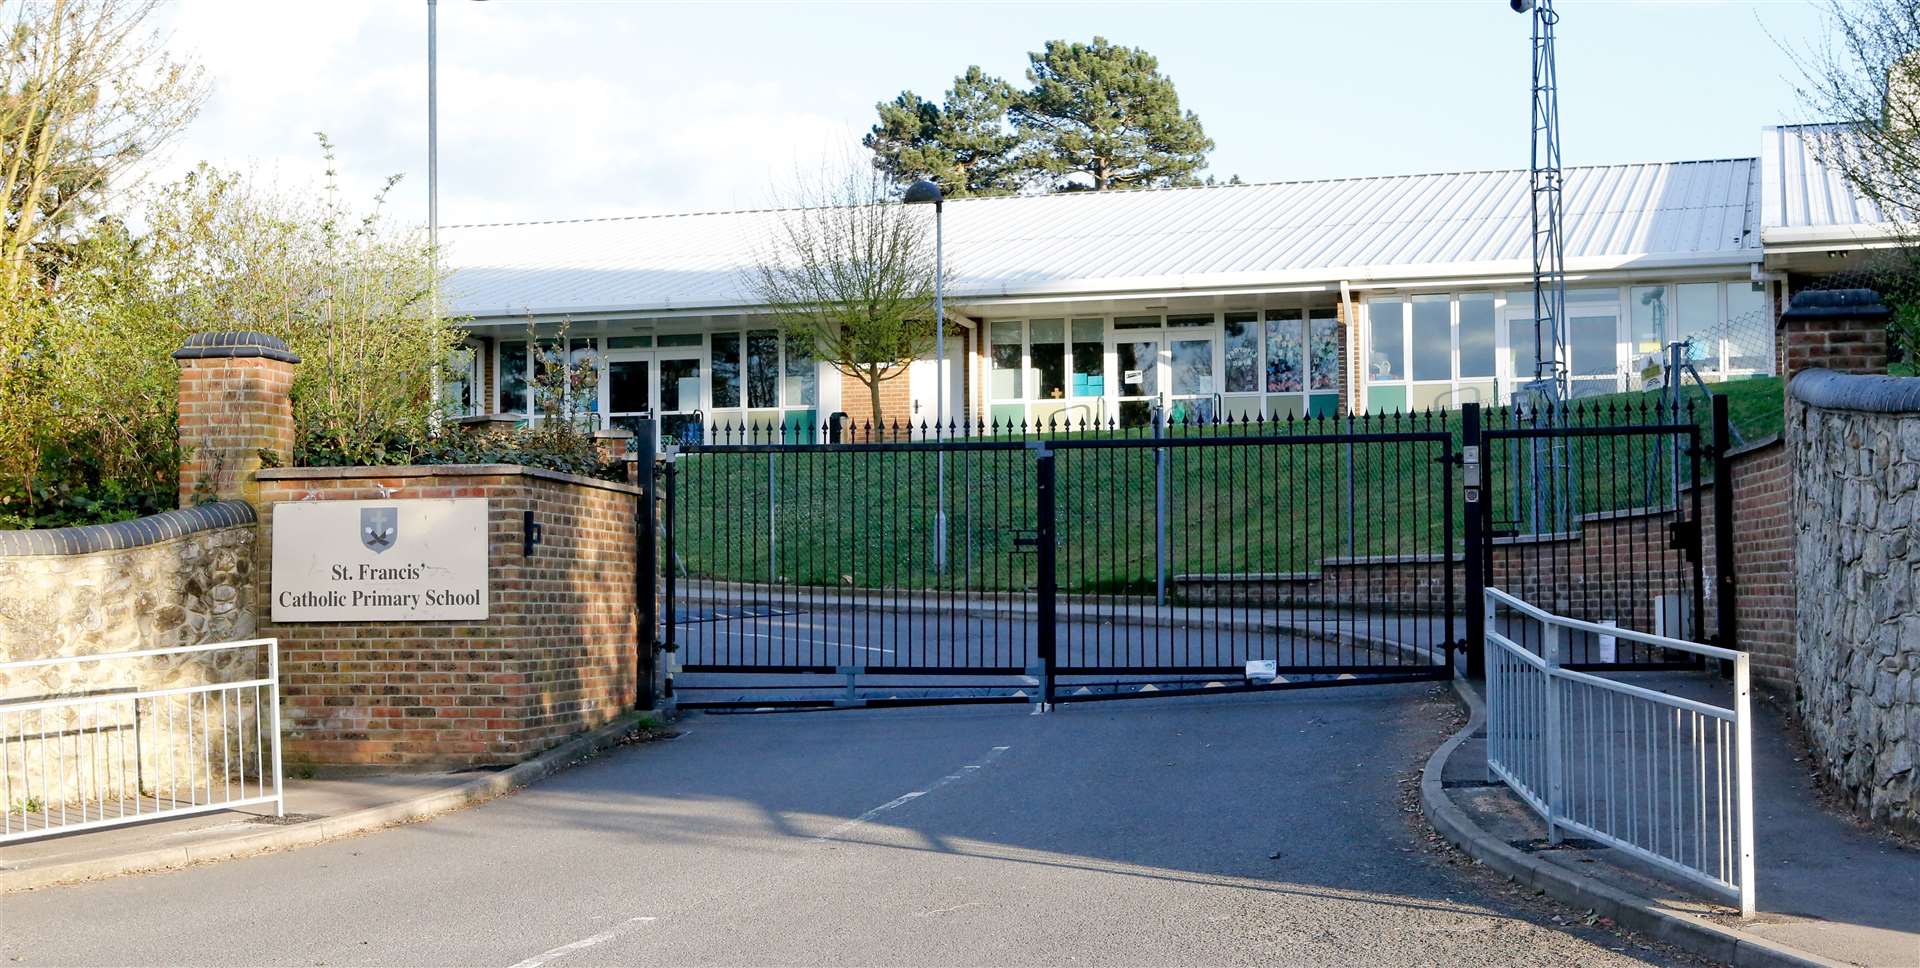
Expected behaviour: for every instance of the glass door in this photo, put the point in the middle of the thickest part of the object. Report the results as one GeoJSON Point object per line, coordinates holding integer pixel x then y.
{"type": "Point", "coordinates": [1190, 359]}
{"type": "Point", "coordinates": [629, 391]}
{"type": "Point", "coordinates": [679, 396]}
{"type": "Point", "coordinates": [1135, 376]}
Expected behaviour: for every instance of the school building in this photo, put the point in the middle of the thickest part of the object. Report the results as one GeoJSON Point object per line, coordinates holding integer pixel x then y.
{"type": "Point", "coordinates": [1315, 297]}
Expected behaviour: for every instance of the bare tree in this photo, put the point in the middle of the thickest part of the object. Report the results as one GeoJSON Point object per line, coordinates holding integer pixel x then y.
{"type": "Point", "coordinates": [86, 90]}
{"type": "Point", "coordinates": [852, 271]}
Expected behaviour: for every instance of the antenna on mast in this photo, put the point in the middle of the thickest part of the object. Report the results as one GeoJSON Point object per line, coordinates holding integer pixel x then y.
{"type": "Point", "coordinates": [1544, 182]}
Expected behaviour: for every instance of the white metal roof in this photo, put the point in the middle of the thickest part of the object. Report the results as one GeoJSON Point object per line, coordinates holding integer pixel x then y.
{"type": "Point", "coordinates": [1803, 198]}
{"type": "Point", "coordinates": [1455, 225]}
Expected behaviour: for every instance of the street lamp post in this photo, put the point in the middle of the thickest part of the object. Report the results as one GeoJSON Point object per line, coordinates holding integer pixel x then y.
{"type": "Point", "coordinates": [920, 193]}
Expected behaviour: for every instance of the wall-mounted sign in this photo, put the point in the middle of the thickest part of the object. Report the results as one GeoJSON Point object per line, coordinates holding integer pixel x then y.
{"type": "Point", "coordinates": [380, 561]}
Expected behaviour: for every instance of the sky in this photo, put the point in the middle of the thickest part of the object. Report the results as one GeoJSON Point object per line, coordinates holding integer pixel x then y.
{"type": "Point", "coordinates": [559, 109]}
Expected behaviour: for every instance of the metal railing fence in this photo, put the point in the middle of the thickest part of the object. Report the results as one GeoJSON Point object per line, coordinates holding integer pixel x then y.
{"type": "Point", "coordinates": [85, 751]}
{"type": "Point", "coordinates": [1665, 779]}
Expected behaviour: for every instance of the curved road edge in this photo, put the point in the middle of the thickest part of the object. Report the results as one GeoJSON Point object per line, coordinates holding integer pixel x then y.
{"type": "Point", "coordinates": [1631, 911]}
{"type": "Point", "coordinates": [423, 807]}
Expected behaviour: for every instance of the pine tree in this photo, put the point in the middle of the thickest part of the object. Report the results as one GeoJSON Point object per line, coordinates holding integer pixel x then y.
{"type": "Point", "coordinates": [965, 145]}
{"type": "Point", "coordinates": [1105, 113]}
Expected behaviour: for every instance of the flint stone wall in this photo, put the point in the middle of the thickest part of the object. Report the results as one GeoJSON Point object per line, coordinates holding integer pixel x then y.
{"type": "Point", "coordinates": [1854, 443]}
{"type": "Point", "coordinates": [173, 579]}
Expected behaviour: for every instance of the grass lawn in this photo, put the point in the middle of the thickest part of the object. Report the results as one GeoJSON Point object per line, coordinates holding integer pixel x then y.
{"type": "Point", "coordinates": [866, 519]}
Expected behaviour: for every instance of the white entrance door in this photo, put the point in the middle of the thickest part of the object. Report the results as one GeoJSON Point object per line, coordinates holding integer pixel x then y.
{"type": "Point", "coordinates": [1133, 358]}
{"type": "Point", "coordinates": [924, 379]}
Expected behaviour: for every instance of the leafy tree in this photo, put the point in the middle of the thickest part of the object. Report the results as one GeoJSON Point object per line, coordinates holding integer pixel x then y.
{"type": "Point", "coordinates": [86, 91]}
{"type": "Point", "coordinates": [965, 145]}
{"type": "Point", "coordinates": [347, 291]}
{"type": "Point", "coordinates": [1105, 112]}
{"type": "Point", "coordinates": [851, 271]}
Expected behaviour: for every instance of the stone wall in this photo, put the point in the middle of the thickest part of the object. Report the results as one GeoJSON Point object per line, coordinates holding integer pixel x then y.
{"type": "Point", "coordinates": [555, 656]}
{"type": "Point", "coordinates": [1854, 447]}
{"type": "Point", "coordinates": [174, 579]}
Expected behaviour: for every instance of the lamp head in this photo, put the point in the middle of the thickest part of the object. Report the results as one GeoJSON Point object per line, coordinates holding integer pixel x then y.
{"type": "Point", "coordinates": [922, 192]}
{"type": "Point", "coordinates": [1520, 6]}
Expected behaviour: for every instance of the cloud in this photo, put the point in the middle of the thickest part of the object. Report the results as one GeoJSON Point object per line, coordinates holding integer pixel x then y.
{"type": "Point", "coordinates": [526, 132]}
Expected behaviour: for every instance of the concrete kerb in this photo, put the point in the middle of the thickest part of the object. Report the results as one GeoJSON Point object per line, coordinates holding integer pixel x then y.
{"type": "Point", "coordinates": [423, 807]}
{"type": "Point", "coordinates": [1631, 911]}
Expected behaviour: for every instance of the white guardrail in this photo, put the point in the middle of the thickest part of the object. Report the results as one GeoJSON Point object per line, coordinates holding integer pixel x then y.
{"type": "Point", "coordinates": [1664, 779]}
{"type": "Point", "coordinates": [86, 746]}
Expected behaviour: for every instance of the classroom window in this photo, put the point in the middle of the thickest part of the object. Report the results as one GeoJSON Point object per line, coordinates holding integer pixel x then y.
{"type": "Point", "coordinates": [1477, 351]}
{"type": "Point", "coordinates": [763, 368]}
{"type": "Point", "coordinates": [1387, 334]}
{"type": "Point", "coordinates": [1285, 362]}
{"type": "Point", "coordinates": [1003, 376]}
{"type": "Point", "coordinates": [1749, 329]}
{"type": "Point", "coordinates": [513, 376]}
{"type": "Point", "coordinates": [1432, 342]}
{"type": "Point", "coordinates": [1242, 345]}
{"type": "Point", "coordinates": [1047, 351]}
{"type": "Point", "coordinates": [1089, 358]}
{"type": "Point", "coordinates": [725, 380]}
{"type": "Point", "coordinates": [801, 384]}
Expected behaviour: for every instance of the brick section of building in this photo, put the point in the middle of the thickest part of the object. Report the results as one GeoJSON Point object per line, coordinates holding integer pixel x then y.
{"type": "Point", "coordinates": [233, 407]}
{"type": "Point", "coordinates": [556, 655]}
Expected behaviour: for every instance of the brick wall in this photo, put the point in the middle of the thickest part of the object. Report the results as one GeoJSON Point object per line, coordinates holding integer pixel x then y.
{"type": "Point", "coordinates": [556, 655]}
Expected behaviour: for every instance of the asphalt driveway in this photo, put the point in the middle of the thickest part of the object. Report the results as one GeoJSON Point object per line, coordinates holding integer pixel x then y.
{"type": "Point", "coordinates": [1220, 830]}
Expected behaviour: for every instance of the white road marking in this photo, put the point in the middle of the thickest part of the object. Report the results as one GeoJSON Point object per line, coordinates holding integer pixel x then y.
{"type": "Point", "coordinates": [587, 942]}
{"type": "Point", "coordinates": [964, 771]}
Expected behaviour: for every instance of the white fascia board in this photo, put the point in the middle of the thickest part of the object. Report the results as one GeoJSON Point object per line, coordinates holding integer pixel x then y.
{"type": "Point", "coordinates": [1157, 287]}
{"type": "Point", "coordinates": [1811, 237]}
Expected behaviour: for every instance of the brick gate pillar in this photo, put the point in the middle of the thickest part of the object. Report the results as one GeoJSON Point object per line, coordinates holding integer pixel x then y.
{"type": "Point", "coordinates": [235, 407]}
{"type": "Point", "coordinates": [1844, 330]}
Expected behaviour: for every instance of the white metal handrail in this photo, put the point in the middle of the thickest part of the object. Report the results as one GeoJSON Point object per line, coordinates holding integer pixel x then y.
{"type": "Point", "coordinates": [115, 755]}
{"type": "Point", "coordinates": [1665, 779]}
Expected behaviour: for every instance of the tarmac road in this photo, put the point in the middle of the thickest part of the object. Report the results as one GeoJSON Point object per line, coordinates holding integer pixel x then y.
{"type": "Point", "coordinates": [1264, 829]}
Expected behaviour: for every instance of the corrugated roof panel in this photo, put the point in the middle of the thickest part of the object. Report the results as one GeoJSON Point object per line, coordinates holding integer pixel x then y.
{"type": "Point", "coordinates": [1801, 190]}
{"type": "Point", "coordinates": [1100, 242]}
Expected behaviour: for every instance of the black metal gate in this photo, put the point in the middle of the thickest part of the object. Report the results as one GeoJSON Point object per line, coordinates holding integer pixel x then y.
{"type": "Point", "coordinates": [1091, 563]}
{"type": "Point", "coordinates": [1595, 513]}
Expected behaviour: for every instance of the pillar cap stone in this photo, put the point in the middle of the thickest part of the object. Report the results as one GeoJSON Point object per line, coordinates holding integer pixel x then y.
{"type": "Point", "coordinates": [1819, 304]}
{"type": "Point", "coordinates": [235, 344]}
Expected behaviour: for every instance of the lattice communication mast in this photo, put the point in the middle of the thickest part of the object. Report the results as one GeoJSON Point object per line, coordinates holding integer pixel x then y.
{"type": "Point", "coordinates": [1544, 177]}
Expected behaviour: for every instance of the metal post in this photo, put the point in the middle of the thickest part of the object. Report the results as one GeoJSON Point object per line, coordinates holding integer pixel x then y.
{"type": "Point", "coordinates": [1555, 749]}
{"type": "Point", "coordinates": [1047, 634]}
{"type": "Point", "coordinates": [1478, 555]}
{"type": "Point", "coordinates": [673, 568]}
{"type": "Point", "coordinates": [1725, 588]}
{"type": "Point", "coordinates": [772, 511]}
{"type": "Point", "coordinates": [1160, 550]}
{"type": "Point", "coordinates": [273, 673]}
{"type": "Point", "coordinates": [939, 389]}
{"type": "Point", "coordinates": [433, 188]}
{"type": "Point", "coordinates": [646, 583]}
{"type": "Point", "coordinates": [1743, 777]}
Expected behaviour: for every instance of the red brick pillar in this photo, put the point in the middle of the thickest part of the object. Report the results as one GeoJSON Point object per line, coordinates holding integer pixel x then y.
{"type": "Point", "coordinates": [1844, 330]}
{"type": "Point", "coordinates": [234, 407]}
